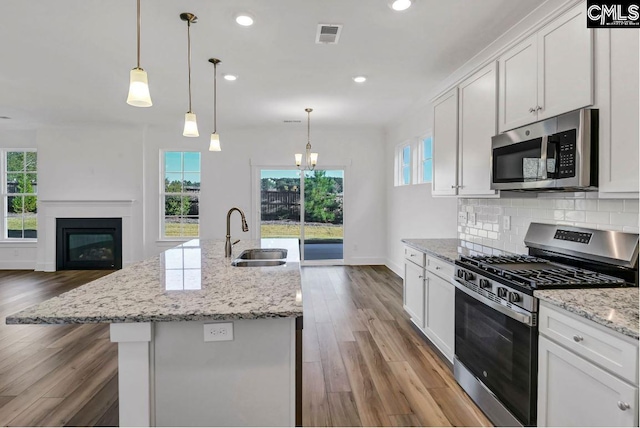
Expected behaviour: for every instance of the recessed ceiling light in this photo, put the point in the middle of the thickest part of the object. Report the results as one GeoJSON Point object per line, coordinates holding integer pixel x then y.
{"type": "Point", "coordinates": [401, 4]}
{"type": "Point", "coordinates": [359, 79]}
{"type": "Point", "coordinates": [230, 77]}
{"type": "Point", "coordinates": [244, 19]}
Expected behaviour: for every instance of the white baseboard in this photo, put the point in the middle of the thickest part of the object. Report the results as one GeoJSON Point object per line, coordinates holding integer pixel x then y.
{"type": "Point", "coordinates": [355, 261]}
{"type": "Point", "coordinates": [18, 265]}
{"type": "Point", "coordinates": [396, 268]}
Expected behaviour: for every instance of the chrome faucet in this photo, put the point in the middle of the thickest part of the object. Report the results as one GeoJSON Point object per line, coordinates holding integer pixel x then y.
{"type": "Point", "coordinates": [228, 245]}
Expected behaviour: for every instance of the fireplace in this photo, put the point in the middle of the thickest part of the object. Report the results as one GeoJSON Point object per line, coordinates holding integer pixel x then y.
{"type": "Point", "coordinates": [88, 243]}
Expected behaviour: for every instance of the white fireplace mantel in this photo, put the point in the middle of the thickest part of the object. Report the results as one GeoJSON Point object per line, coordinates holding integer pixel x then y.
{"type": "Point", "coordinates": [50, 210]}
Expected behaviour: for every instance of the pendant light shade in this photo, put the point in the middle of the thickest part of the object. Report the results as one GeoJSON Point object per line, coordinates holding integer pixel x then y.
{"type": "Point", "coordinates": [214, 145]}
{"type": "Point", "coordinates": [139, 95]}
{"type": "Point", "coordinates": [310, 158]}
{"type": "Point", "coordinates": [190, 123]}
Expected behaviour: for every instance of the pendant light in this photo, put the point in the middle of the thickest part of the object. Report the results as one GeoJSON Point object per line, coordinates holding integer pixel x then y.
{"type": "Point", "coordinates": [138, 84]}
{"type": "Point", "coordinates": [190, 123]}
{"type": "Point", "coordinates": [214, 145]}
{"type": "Point", "coordinates": [311, 158]}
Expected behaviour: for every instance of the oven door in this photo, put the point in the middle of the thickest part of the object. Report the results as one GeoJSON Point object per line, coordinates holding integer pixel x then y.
{"type": "Point", "coordinates": [500, 351]}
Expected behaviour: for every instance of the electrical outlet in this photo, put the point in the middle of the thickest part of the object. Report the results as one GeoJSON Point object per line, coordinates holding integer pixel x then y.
{"type": "Point", "coordinates": [218, 332]}
{"type": "Point", "coordinates": [462, 217]}
{"type": "Point", "coordinates": [472, 218]}
{"type": "Point", "coordinates": [506, 222]}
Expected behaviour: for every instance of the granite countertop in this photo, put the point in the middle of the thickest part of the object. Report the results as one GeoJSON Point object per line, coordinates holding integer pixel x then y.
{"type": "Point", "coordinates": [190, 282]}
{"type": "Point", "coordinates": [450, 249]}
{"type": "Point", "coordinates": [616, 308]}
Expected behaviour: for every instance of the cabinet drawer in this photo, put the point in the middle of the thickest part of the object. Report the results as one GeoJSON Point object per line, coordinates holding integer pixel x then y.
{"type": "Point", "coordinates": [414, 255]}
{"type": "Point", "coordinates": [439, 267]}
{"type": "Point", "coordinates": [590, 341]}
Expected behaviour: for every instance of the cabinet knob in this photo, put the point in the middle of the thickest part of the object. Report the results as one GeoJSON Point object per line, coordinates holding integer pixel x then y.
{"type": "Point", "coordinates": [623, 406]}
{"type": "Point", "coordinates": [438, 268]}
{"type": "Point", "coordinates": [538, 108]}
{"type": "Point", "coordinates": [453, 187]}
{"type": "Point", "coordinates": [578, 338]}
{"type": "Point", "coordinates": [412, 255]}
{"type": "Point", "coordinates": [420, 276]}
{"type": "Point", "coordinates": [531, 110]}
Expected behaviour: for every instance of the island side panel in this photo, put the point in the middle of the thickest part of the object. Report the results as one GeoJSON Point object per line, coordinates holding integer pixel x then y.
{"type": "Point", "coordinates": [249, 381]}
{"type": "Point", "coordinates": [135, 390]}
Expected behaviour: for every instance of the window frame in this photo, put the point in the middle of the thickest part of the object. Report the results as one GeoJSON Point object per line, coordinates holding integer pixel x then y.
{"type": "Point", "coordinates": [4, 194]}
{"type": "Point", "coordinates": [400, 165]}
{"type": "Point", "coordinates": [164, 193]}
{"type": "Point", "coordinates": [422, 158]}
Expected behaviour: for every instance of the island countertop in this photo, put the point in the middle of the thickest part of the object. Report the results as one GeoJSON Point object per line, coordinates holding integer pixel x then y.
{"type": "Point", "coordinates": [193, 281]}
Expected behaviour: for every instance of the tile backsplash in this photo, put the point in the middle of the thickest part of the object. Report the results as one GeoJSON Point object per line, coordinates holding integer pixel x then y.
{"type": "Point", "coordinates": [488, 228]}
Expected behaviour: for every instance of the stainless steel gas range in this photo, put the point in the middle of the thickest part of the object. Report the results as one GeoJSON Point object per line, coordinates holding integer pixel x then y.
{"type": "Point", "coordinates": [496, 332]}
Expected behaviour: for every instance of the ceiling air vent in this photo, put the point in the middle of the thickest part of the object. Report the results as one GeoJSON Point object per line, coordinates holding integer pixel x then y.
{"type": "Point", "coordinates": [292, 121]}
{"type": "Point", "coordinates": [328, 34]}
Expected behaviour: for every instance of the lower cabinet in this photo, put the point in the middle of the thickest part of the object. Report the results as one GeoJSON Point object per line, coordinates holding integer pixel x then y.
{"type": "Point", "coordinates": [414, 292]}
{"type": "Point", "coordinates": [439, 317]}
{"type": "Point", "coordinates": [429, 300]}
{"type": "Point", "coordinates": [576, 385]}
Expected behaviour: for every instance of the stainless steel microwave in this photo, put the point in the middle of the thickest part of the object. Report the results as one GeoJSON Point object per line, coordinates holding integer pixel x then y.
{"type": "Point", "coordinates": [556, 154]}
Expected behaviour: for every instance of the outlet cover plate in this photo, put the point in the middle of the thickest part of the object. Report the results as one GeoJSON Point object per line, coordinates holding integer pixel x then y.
{"type": "Point", "coordinates": [218, 332]}
{"type": "Point", "coordinates": [506, 222]}
{"type": "Point", "coordinates": [472, 218]}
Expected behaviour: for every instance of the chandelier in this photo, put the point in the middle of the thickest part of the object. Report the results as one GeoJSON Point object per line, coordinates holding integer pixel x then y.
{"type": "Point", "coordinates": [311, 159]}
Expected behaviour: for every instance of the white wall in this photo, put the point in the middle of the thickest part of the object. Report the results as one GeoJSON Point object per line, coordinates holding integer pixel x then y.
{"type": "Point", "coordinates": [227, 180]}
{"type": "Point", "coordinates": [411, 210]}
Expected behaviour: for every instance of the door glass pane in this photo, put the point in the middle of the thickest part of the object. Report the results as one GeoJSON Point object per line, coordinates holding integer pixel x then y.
{"type": "Point", "coordinates": [323, 212]}
{"type": "Point", "coordinates": [280, 204]}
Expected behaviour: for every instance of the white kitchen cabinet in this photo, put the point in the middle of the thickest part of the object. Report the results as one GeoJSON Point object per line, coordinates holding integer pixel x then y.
{"type": "Point", "coordinates": [477, 114]}
{"type": "Point", "coordinates": [587, 373]}
{"type": "Point", "coordinates": [549, 73]}
{"type": "Point", "coordinates": [617, 98]}
{"type": "Point", "coordinates": [414, 292]}
{"type": "Point", "coordinates": [575, 392]}
{"type": "Point", "coordinates": [439, 316]}
{"type": "Point", "coordinates": [445, 144]}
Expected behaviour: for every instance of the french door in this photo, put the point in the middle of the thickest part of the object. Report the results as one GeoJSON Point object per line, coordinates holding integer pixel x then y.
{"type": "Point", "coordinates": [306, 205]}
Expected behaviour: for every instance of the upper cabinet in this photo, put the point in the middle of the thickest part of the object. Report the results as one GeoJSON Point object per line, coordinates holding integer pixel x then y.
{"type": "Point", "coordinates": [617, 98]}
{"type": "Point", "coordinates": [445, 144]}
{"type": "Point", "coordinates": [549, 73]}
{"type": "Point", "coordinates": [477, 114]}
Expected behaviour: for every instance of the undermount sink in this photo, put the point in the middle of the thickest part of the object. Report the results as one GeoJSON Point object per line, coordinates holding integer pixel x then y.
{"type": "Point", "coordinates": [257, 263]}
{"type": "Point", "coordinates": [263, 254]}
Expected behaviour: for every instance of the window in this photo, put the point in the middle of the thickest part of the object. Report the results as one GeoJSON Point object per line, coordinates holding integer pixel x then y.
{"type": "Point", "coordinates": [180, 194]}
{"type": "Point", "coordinates": [403, 165]}
{"type": "Point", "coordinates": [19, 194]}
{"type": "Point", "coordinates": [426, 162]}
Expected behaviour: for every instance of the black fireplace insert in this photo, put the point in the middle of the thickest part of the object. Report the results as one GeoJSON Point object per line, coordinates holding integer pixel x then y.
{"type": "Point", "coordinates": [88, 243]}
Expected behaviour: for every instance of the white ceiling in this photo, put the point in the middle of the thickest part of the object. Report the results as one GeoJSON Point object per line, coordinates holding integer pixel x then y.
{"type": "Point", "coordinates": [68, 61]}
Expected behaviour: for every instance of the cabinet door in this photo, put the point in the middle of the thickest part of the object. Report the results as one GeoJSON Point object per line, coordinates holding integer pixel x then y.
{"type": "Point", "coordinates": [445, 144]}
{"type": "Point", "coordinates": [414, 292]}
{"type": "Point", "coordinates": [477, 116]}
{"type": "Point", "coordinates": [518, 85]}
{"type": "Point", "coordinates": [439, 316]}
{"type": "Point", "coordinates": [565, 64]}
{"type": "Point", "coordinates": [574, 392]}
{"type": "Point", "coordinates": [618, 77]}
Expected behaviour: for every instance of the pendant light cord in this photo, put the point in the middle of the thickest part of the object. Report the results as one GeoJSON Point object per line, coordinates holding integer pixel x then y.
{"type": "Point", "coordinates": [215, 108]}
{"type": "Point", "coordinates": [308, 131]}
{"type": "Point", "coordinates": [189, 58]}
{"type": "Point", "coordinates": [139, 23]}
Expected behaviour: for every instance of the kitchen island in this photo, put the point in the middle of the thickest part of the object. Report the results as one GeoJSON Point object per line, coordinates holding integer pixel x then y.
{"type": "Point", "coordinates": [174, 368]}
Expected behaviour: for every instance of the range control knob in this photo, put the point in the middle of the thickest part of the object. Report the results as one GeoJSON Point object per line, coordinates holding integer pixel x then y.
{"type": "Point", "coordinates": [502, 292]}
{"type": "Point", "coordinates": [460, 273]}
{"type": "Point", "coordinates": [485, 283]}
{"type": "Point", "coordinates": [469, 276]}
{"type": "Point", "coordinates": [514, 297]}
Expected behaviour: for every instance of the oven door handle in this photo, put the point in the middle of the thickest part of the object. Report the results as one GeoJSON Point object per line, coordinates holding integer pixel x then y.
{"type": "Point", "coordinates": [520, 317]}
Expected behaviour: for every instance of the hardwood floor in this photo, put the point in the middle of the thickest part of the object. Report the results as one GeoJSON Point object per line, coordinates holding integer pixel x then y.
{"type": "Point", "coordinates": [364, 364]}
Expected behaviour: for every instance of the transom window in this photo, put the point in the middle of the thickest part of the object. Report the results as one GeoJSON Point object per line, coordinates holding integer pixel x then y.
{"type": "Point", "coordinates": [181, 194]}
{"type": "Point", "coordinates": [19, 193]}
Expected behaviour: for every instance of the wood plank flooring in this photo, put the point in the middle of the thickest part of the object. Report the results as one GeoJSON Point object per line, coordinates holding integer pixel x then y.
{"type": "Point", "coordinates": [364, 363]}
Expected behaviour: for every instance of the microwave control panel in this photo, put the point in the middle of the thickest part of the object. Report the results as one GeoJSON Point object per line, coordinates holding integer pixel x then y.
{"type": "Point", "coordinates": [566, 143]}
